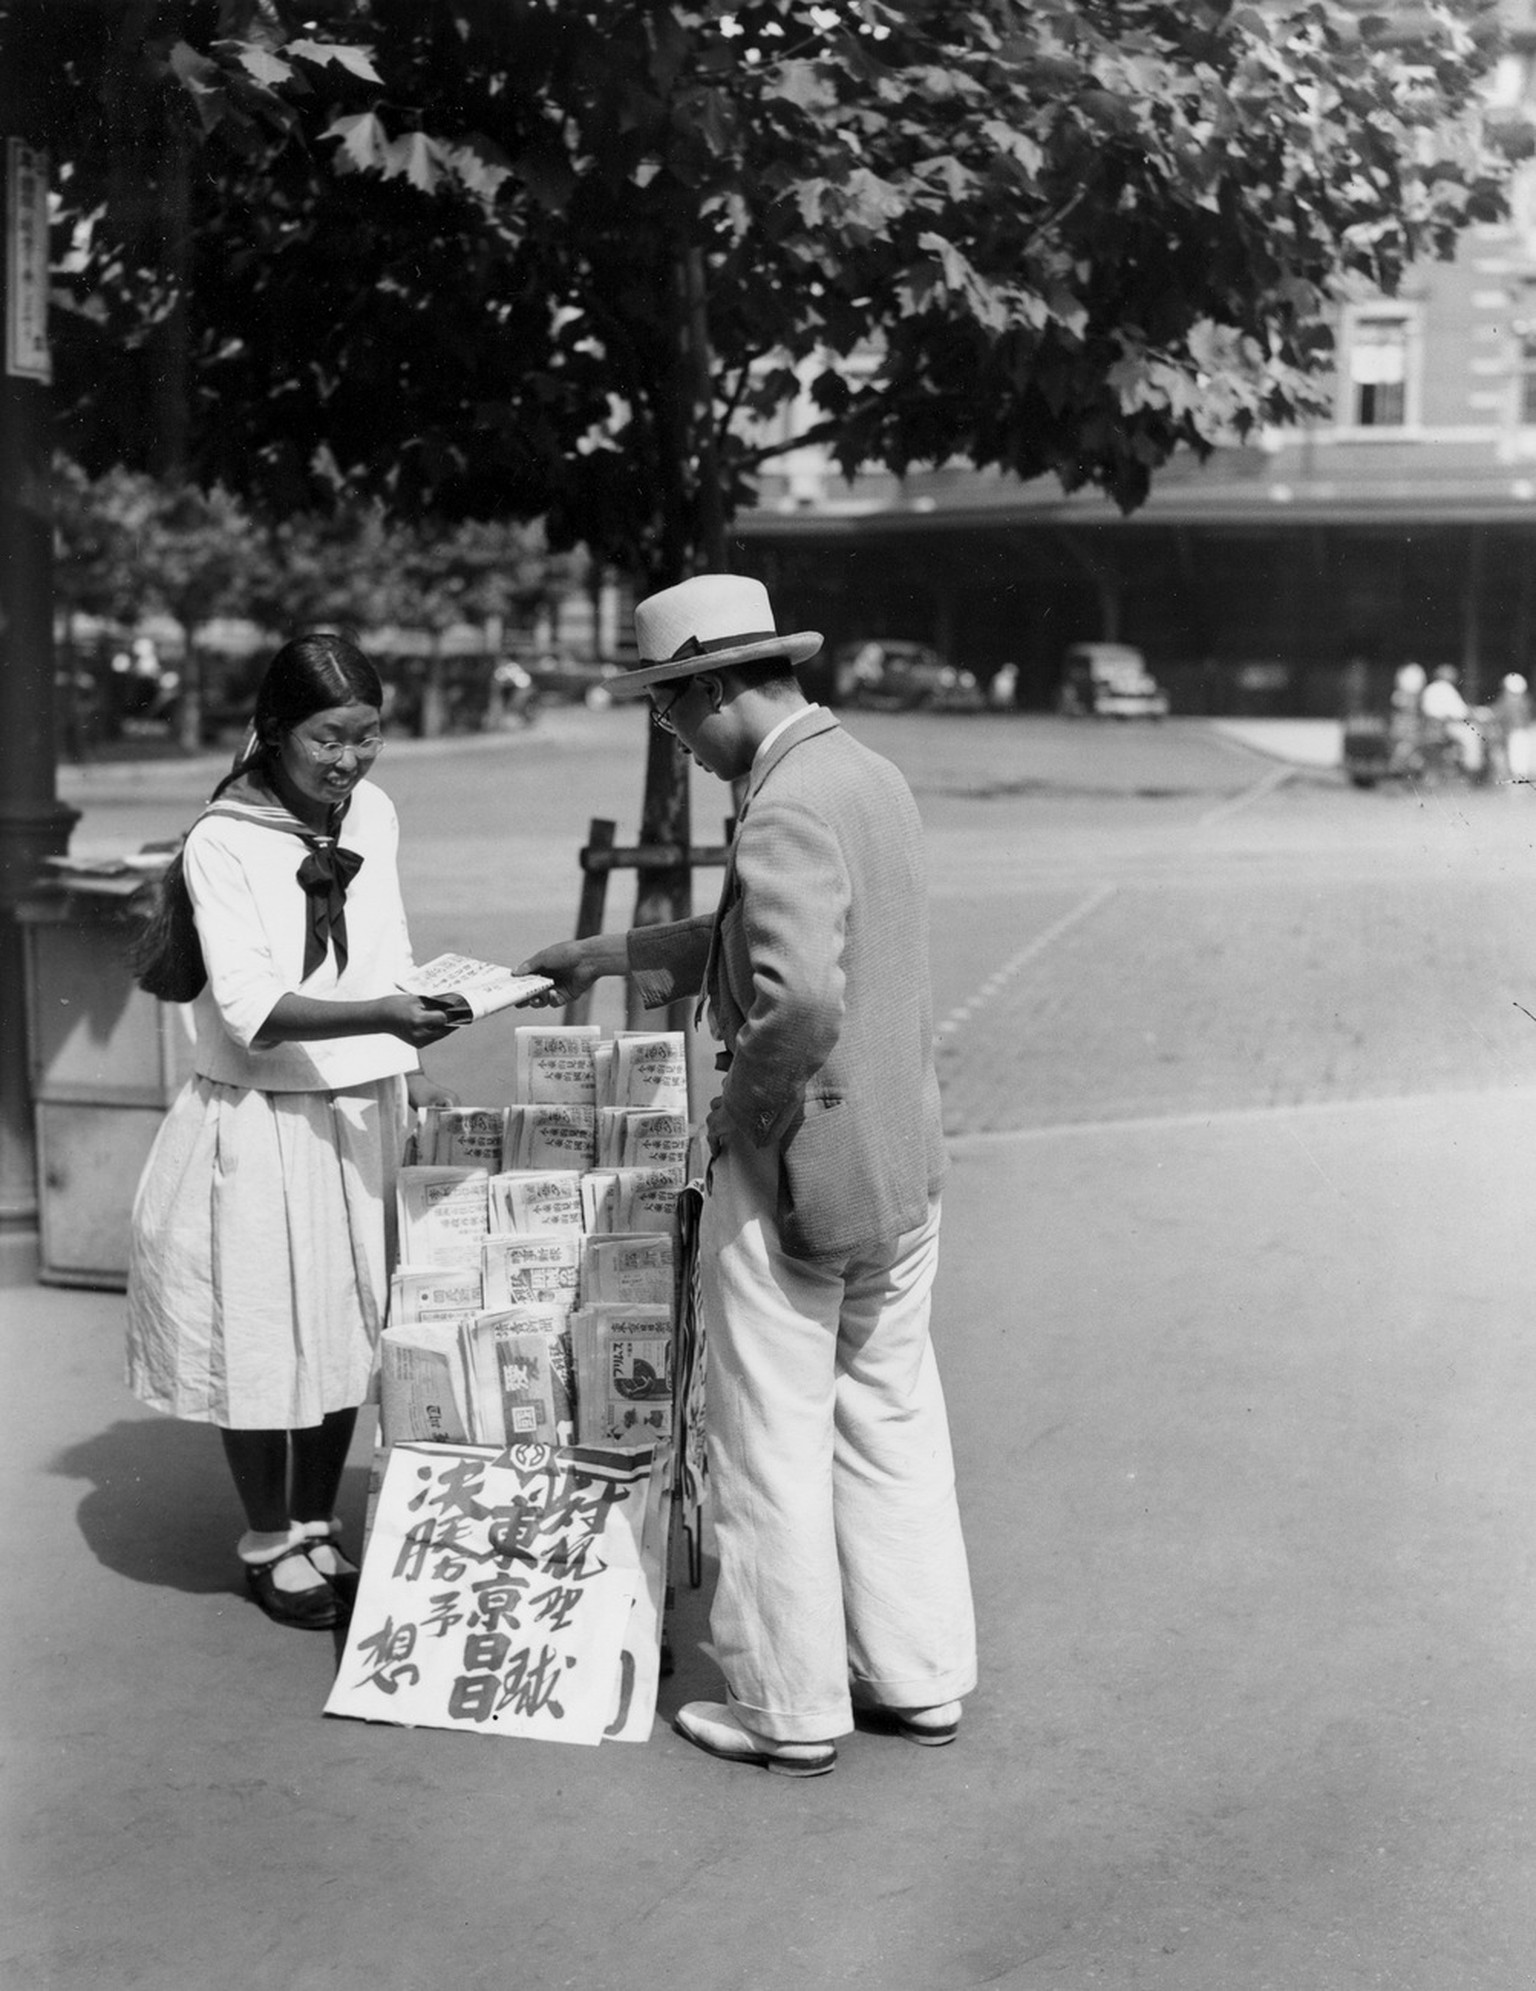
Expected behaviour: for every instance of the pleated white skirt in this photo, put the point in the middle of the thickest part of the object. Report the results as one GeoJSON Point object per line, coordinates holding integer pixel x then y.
{"type": "Point", "coordinates": [263, 1235]}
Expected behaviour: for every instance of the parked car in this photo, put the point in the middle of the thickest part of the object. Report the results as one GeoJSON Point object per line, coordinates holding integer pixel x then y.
{"type": "Point", "coordinates": [1110, 681]}
{"type": "Point", "coordinates": [898, 676]}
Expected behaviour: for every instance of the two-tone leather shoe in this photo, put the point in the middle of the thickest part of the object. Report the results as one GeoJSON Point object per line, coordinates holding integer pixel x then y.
{"type": "Point", "coordinates": [714, 1727]}
{"type": "Point", "coordinates": [932, 1727]}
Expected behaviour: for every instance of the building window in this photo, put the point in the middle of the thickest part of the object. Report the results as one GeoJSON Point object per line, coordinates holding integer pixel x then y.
{"type": "Point", "coordinates": [1526, 412]}
{"type": "Point", "coordinates": [1378, 370]}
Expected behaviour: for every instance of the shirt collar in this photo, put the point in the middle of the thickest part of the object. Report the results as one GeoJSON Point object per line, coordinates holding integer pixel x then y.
{"type": "Point", "coordinates": [804, 712]}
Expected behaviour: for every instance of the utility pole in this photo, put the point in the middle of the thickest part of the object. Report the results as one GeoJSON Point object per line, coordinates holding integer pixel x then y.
{"type": "Point", "coordinates": [34, 824]}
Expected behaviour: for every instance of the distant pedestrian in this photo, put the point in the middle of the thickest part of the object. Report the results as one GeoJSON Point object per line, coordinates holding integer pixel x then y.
{"type": "Point", "coordinates": [1512, 719]}
{"type": "Point", "coordinates": [1448, 717]}
{"type": "Point", "coordinates": [1406, 723]}
{"type": "Point", "coordinates": [258, 1268]}
{"type": "Point", "coordinates": [843, 1577]}
{"type": "Point", "coordinates": [1408, 687]}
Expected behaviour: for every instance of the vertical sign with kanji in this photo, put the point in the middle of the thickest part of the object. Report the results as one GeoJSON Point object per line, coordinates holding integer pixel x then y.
{"type": "Point", "coordinates": [26, 263]}
{"type": "Point", "coordinates": [517, 1593]}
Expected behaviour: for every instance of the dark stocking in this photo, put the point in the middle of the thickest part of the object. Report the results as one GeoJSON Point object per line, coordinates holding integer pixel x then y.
{"type": "Point", "coordinates": [259, 1462]}
{"type": "Point", "coordinates": [319, 1455]}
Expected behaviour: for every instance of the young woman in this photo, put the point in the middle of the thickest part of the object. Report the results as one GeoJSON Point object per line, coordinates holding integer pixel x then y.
{"type": "Point", "coordinates": [263, 1225]}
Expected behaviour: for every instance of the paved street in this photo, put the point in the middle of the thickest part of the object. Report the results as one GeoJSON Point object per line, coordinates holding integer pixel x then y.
{"type": "Point", "coordinates": [1238, 1069]}
{"type": "Point", "coordinates": [1126, 921]}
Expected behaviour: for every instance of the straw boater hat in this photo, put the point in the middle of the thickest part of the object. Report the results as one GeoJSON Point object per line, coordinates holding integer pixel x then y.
{"type": "Point", "coordinates": [706, 624]}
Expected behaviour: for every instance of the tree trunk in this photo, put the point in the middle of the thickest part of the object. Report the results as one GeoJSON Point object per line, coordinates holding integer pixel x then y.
{"type": "Point", "coordinates": [434, 702]}
{"type": "Point", "coordinates": [171, 372]}
{"type": "Point", "coordinates": [709, 510]}
{"type": "Point", "coordinates": [693, 539]}
{"type": "Point", "coordinates": [189, 703]}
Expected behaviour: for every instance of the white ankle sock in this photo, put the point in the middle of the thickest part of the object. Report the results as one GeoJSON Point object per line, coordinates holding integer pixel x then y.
{"type": "Point", "coordinates": [256, 1547]}
{"type": "Point", "coordinates": [325, 1550]}
{"type": "Point", "coordinates": [291, 1575]}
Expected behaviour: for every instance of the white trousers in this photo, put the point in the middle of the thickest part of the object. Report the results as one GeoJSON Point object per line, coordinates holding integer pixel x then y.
{"type": "Point", "coordinates": [843, 1575]}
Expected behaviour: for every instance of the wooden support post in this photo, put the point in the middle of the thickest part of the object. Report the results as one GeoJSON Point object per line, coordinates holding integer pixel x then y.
{"type": "Point", "coordinates": [594, 896]}
{"type": "Point", "coordinates": [600, 857]}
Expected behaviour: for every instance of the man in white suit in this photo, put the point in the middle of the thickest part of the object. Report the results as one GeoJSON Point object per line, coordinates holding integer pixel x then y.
{"type": "Point", "coordinates": [843, 1581]}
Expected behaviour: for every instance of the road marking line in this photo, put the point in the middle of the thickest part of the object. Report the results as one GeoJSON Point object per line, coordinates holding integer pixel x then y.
{"type": "Point", "coordinates": [962, 1014]}
{"type": "Point", "coordinates": [1210, 1117]}
{"type": "Point", "coordinates": [1000, 979]}
{"type": "Point", "coordinates": [1265, 785]}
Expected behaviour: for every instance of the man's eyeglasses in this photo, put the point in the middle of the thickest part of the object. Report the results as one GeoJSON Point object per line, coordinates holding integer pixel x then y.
{"type": "Point", "coordinates": [661, 715]}
{"type": "Point", "coordinates": [329, 752]}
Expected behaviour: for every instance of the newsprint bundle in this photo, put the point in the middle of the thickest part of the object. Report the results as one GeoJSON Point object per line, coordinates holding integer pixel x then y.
{"type": "Point", "coordinates": [540, 1388]}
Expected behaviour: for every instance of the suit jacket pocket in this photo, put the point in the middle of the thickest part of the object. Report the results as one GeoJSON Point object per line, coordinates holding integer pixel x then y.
{"type": "Point", "coordinates": [813, 1185]}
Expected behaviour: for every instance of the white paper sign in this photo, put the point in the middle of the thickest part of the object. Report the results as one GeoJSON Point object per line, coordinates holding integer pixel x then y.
{"type": "Point", "coordinates": [26, 263]}
{"type": "Point", "coordinates": [507, 1592]}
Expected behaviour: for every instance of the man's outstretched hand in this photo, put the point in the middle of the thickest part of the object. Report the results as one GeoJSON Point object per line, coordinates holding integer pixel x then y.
{"type": "Point", "coordinates": [573, 966]}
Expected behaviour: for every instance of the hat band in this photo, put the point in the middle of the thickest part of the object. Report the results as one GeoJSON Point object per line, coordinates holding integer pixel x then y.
{"type": "Point", "coordinates": [695, 647]}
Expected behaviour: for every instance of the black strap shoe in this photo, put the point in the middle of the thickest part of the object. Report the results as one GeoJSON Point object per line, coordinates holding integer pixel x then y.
{"type": "Point", "coordinates": [313, 1608]}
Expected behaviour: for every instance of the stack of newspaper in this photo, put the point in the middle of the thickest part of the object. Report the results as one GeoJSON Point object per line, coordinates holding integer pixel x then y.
{"type": "Point", "coordinates": [535, 1296]}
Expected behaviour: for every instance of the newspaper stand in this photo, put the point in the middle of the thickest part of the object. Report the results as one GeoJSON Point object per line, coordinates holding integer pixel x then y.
{"type": "Point", "coordinates": [540, 1438]}
{"type": "Point", "coordinates": [105, 1060]}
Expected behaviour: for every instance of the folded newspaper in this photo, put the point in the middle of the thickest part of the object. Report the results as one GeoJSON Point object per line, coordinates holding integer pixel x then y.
{"type": "Point", "coordinates": [461, 1136]}
{"type": "Point", "coordinates": [519, 1377]}
{"type": "Point", "coordinates": [466, 989]}
{"type": "Point", "coordinates": [554, 1066]}
{"type": "Point", "coordinates": [442, 1214]}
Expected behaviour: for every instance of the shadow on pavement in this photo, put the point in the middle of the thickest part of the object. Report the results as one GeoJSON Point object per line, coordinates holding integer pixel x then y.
{"type": "Point", "coordinates": [161, 1509]}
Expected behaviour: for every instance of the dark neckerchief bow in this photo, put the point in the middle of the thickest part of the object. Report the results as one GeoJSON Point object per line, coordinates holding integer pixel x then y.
{"type": "Point", "coordinates": [324, 877]}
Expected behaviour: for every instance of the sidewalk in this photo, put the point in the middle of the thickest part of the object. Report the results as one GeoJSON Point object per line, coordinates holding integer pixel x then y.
{"type": "Point", "coordinates": [1244, 1441]}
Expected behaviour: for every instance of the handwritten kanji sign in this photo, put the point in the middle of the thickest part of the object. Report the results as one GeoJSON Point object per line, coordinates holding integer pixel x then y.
{"type": "Point", "coordinates": [26, 263]}
{"type": "Point", "coordinates": [513, 1592]}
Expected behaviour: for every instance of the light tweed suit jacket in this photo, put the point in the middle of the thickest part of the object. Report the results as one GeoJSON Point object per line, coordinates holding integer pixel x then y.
{"type": "Point", "coordinates": [815, 966]}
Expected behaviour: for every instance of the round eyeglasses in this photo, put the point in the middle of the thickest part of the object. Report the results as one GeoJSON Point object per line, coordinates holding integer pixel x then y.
{"type": "Point", "coordinates": [329, 752]}
{"type": "Point", "coordinates": [661, 715]}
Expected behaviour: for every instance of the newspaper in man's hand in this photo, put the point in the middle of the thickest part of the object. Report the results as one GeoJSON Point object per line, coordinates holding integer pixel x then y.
{"type": "Point", "coordinates": [466, 989]}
